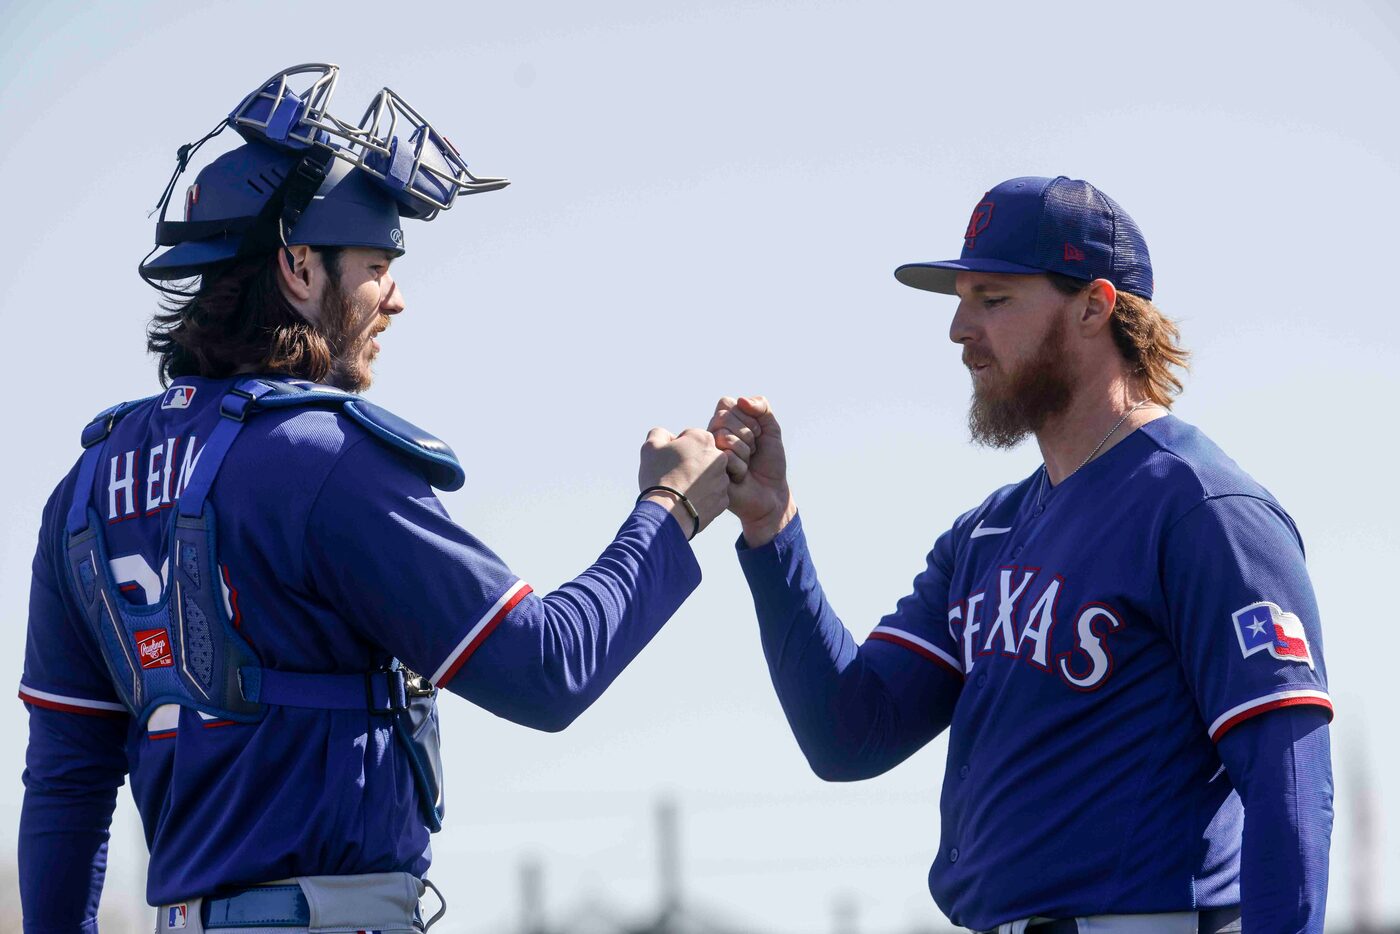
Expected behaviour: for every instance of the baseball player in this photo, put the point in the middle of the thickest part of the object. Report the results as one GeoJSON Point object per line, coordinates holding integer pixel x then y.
{"type": "Point", "coordinates": [1124, 645]}
{"type": "Point", "coordinates": [246, 593]}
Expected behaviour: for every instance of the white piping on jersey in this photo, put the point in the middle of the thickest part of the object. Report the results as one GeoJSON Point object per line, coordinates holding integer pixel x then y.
{"type": "Point", "coordinates": [25, 691]}
{"type": "Point", "coordinates": [472, 633]}
{"type": "Point", "coordinates": [1267, 699]}
{"type": "Point", "coordinates": [929, 647]}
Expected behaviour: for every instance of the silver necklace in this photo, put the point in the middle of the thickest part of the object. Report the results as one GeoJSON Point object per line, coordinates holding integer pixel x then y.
{"type": "Point", "coordinates": [1116, 425]}
{"type": "Point", "coordinates": [1045, 476]}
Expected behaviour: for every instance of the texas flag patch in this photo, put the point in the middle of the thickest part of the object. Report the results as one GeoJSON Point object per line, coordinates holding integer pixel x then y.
{"type": "Point", "coordinates": [178, 397]}
{"type": "Point", "coordinates": [1265, 627]}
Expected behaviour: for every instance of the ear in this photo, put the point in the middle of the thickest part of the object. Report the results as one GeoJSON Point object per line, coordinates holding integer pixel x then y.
{"type": "Point", "coordinates": [295, 275]}
{"type": "Point", "coordinates": [1097, 311]}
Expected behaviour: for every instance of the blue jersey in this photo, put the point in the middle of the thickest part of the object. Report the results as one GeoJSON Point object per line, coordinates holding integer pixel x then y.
{"type": "Point", "coordinates": [1088, 645]}
{"type": "Point", "coordinates": [335, 556]}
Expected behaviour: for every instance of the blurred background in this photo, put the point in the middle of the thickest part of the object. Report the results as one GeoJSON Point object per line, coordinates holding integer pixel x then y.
{"type": "Point", "coordinates": [710, 199]}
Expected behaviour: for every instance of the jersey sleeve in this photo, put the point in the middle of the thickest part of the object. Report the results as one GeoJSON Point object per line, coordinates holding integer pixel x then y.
{"type": "Point", "coordinates": [63, 668]}
{"type": "Point", "coordinates": [383, 551]}
{"type": "Point", "coordinates": [1281, 765]}
{"type": "Point", "coordinates": [381, 548]}
{"type": "Point", "coordinates": [1241, 611]}
{"type": "Point", "coordinates": [920, 622]}
{"type": "Point", "coordinates": [75, 759]}
{"type": "Point", "coordinates": [856, 710]}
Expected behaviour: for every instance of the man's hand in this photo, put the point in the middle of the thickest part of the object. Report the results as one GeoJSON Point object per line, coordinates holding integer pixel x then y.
{"type": "Point", "coordinates": [745, 429]}
{"type": "Point", "coordinates": [688, 462]}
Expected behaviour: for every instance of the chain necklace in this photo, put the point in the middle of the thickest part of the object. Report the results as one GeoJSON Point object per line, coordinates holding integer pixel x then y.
{"type": "Point", "coordinates": [1098, 447]}
{"type": "Point", "coordinates": [1045, 477]}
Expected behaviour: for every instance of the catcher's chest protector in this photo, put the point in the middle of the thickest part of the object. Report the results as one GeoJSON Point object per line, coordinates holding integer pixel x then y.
{"type": "Point", "coordinates": [183, 649]}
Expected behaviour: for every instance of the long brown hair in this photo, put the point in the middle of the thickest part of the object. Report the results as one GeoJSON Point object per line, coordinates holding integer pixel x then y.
{"type": "Point", "coordinates": [1147, 339]}
{"type": "Point", "coordinates": [237, 319]}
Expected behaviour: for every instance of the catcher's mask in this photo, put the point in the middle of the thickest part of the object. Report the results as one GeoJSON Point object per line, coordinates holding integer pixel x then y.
{"type": "Point", "coordinates": [307, 177]}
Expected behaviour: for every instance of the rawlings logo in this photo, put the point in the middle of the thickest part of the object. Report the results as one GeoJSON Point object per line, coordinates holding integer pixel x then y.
{"type": "Point", "coordinates": [153, 647]}
{"type": "Point", "coordinates": [396, 235]}
{"type": "Point", "coordinates": [981, 217]}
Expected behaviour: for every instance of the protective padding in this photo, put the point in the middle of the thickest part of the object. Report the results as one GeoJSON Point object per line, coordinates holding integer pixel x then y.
{"type": "Point", "coordinates": [182, 649]}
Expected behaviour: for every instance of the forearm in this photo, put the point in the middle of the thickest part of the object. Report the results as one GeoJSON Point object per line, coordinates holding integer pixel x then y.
{"type": "Point", "coordinates": [62, 860]}
{"type": "Point", "coordinates": [75, 767]}
{"type": "Point", "coordinates": [554, 656]}
{"type": "Point", "coordinates": [1280, 763]}
{"type": "Point", "coordinates": [856, 711]}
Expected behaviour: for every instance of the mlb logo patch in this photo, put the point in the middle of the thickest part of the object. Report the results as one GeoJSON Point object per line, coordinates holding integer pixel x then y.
{"type": "Point", "coordinates": [1265, 627]}
{"type": "Point", "coordinates": [178, 397]}
{"type": "Point", "coordinates": [153, 648]}
{"type": "Point", "coordinates": [176, 917]}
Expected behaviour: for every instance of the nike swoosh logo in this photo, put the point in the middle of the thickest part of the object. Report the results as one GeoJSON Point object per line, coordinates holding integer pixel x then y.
{"type": "Point", "coordinates": [987, 530]}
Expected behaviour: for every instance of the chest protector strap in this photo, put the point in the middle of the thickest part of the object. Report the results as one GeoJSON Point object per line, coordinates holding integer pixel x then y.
{"type": "Point", "coordinates": [184, 649]}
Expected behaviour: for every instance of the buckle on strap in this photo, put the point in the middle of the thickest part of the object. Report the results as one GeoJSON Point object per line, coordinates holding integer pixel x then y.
{"type": "Point", "coordinates": [394, 692]}
{"type": "Point", "coordinates": [236, 404]}
{"type": "Point", "coordinates": [398, 686]}
{"type": "Point", "coordinates": [97, 430]}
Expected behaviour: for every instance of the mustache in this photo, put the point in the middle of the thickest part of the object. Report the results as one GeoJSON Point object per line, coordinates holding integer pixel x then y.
{"type": "Point", "coordinates": [971, 358]}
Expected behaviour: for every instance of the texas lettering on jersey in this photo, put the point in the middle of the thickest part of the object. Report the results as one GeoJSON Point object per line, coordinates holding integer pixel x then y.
{"type": "Point", "coordinates": [1026, 636]}
{"type": "Point", "coordinates": [144, 485]}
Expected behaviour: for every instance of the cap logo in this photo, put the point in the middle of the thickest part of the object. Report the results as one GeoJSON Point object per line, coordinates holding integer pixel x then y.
{"type": "Point", "coordinates": [1073, 254]}
{"type": "Point", "coordinates": [981, 217]}
{"type": "Point", "coordinates": [396, 235]}
{"type": "Point", "coordinates": [191, 199]}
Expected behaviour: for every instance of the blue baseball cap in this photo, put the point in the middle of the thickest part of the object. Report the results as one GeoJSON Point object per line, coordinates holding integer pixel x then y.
{"type": "Point", "coordinates": [1032, 225]}
{"type": "Point", "coordinates": [348, 209]}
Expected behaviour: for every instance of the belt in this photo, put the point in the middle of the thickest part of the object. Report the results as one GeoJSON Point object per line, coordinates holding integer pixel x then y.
{"type": "Point", "coordinates": [1210, 921]}
{"type": "Point", "coordinates": [265, 906]}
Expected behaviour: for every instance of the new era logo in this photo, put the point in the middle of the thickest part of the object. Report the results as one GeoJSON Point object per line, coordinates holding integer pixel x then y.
{"type": "Point", "coordinates": [153, 648]}
{"type": "Point", "coordinates": [178, 397]}
{"type": "Point", "coordinates": [1073, 254]}
{"type": "Point", "coordinates": [1264, 627]}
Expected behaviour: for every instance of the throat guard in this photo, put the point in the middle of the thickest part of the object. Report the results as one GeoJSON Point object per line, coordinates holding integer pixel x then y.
{"type": "Point", "coordinates": [185, 650]}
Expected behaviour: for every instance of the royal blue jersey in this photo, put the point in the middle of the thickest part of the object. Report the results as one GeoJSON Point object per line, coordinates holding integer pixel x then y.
{"type": "Point", "coordinates": [1088, 645]}
{"type": "Point", "coordinates": [335, 556]}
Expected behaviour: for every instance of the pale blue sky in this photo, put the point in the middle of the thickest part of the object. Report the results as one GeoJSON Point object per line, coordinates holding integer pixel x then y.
{"type": "Point", "coordinates": [708, 199]}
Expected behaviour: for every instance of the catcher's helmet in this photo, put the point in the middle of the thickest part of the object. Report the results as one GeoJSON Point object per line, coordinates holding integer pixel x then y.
{"type": "Point", "coordinates": [347, 209]}
{"type": "Point", "coordinates": [307, 177]}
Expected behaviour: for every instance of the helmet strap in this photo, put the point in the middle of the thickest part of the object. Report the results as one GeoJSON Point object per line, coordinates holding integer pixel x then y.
{"type": "Point", "coordinates": [273, 225]}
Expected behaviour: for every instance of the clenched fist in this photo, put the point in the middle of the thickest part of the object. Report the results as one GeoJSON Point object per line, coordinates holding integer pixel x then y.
{"type": "Point", "coordinates": [745, 429]}
{"type": "Point", "coordinates": [688, 462]}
